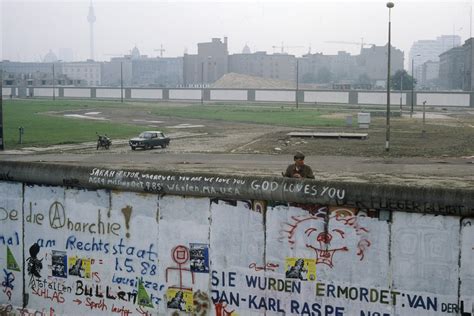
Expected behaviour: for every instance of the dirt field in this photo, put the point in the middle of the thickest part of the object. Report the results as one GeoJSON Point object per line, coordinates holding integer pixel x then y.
{"type": "Point", "coordinates": [443, 156]}
{"type": "Point", "coordinates": [448, 133]}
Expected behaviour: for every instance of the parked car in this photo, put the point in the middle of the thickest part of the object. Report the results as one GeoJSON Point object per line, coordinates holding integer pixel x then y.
{"type": "Point", "coordinates": [149, 139]}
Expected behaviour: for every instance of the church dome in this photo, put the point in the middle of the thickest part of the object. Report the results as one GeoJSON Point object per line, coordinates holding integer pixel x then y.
{"type": "Point", "coordinates": [50, 57]}
{"type": "Point", "coordinates": [135, 52]}
{"type": "Point", "coordinates": [246, 49]}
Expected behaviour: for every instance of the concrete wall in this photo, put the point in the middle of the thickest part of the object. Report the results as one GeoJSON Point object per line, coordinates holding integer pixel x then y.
{"type": "Point", "coordinates": [459, 99]}
{"type": "Point", "coordinates": [74, 245]}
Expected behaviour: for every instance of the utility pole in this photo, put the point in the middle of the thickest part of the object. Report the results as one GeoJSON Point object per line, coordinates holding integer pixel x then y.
{"type": "Point", "coordinates": [54, 86]}
{"type": "Point", "coordinates": [202, 83]}
{"type": "Point", "coordinates": [297, 81]}
{"type": "Point", "coordinates": [2, 147]}
{"type": "Point", "coordinates": [121, 81]}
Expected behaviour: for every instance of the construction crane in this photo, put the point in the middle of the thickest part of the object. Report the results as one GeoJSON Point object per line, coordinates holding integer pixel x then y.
{"type": "Point", "coordinates": [282, 47]}
{"type": "Point", "coordinates": [361, 43]}
{"type": "Point", "coordinates": [161, 50]}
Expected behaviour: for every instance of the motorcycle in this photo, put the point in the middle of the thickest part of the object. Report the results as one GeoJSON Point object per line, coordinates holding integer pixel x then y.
{"type": "Point", "coordinates": [103, 142]}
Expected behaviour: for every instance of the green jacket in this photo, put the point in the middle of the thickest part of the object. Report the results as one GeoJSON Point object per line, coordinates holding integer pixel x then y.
{"type": "Point", "coordinates": [305, 171]}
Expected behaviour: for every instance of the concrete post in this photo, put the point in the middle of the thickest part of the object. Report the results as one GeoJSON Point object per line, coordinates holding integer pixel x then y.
{"type": "Point", "coordinates": [300, 96]}
{"type": "Point", "coordinates": [206, 94]}
{"type": "Point", "coordinates": [471, 99]}
{"type": "Point", "coordinates": [61, 92]}
{"type": "Point", "coordinates": [93, 93]}
{"type": "Point", "coordinates": [22, 92]}
{"type": "Point", "coordinates": [250, 95]}
{"type": "Point", "coordinates": [165, 94]}
{"type": "Point", "coordinates": [353, 97]}
{"type": "Point", "coordinates": [128, 93]}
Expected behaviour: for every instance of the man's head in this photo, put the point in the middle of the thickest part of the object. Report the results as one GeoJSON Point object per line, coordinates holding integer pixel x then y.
{"type": "Point", "coordinates": [299, 158]}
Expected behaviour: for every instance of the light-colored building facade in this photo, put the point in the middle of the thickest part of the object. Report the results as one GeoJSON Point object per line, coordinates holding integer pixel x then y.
{"type": "Point", "coordinates": [372, 61]}
{"type": "Point", "coordinates": [87, 71]}
{"type": "Point", "coordinates": [117, 71]}
{"type": "Point", "coordinates": [210, 63]}
{"type": "Point", "coordinates": [429, 50]}
{"type": "Point", "coordinates": [429, 75]}
{"type": "Point", "coordinates": [275, 66]}
{"type": "Point", "coordinates": [451, 69]}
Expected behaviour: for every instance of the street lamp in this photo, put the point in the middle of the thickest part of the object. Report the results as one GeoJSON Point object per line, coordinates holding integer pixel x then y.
{"type": "Point", "coordinates": [297, 81]}
{"type": "Point", "coordinates": [202, 82]}
{"type": "Point", "coordinates": [390, 5]}
{"type": "Point", "coordinates": [54, 86]}
{"type": "Point", "coordinates": [413, 83]}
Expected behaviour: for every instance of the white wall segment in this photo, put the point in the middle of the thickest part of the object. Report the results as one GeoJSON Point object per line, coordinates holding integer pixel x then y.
{"type": "Point", "coordinates": [230, 95]}
{"type": "Point", "coordinates": [11, 240]}
{"type": "Point", "coordinates": [147, 94]}
{"type": "Point", "coordinates": [77, 92]}
{"type": "Point", "coordinates": [180, 94]}
{"type": "Point", "coordinates": [101, 252]}
{"type": "Point", "coordinates": [326, 97]}
{"type": "Point", "coordinates": [45, 92]}
{"type": "Point", "coordinates": [109, 93]}
{"type": "Point", "coordinates": [442, 99]}
{"type": "Point", "coordinates": [466, 274]}
{"type": "Point", "coordinates": [275, 95]}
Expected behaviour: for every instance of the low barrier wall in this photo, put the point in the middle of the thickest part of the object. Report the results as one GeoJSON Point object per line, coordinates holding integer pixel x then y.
{"type": "Point", "coordinates": [77, 240]}
{"type": "Point", "coordinates": [458, 99]}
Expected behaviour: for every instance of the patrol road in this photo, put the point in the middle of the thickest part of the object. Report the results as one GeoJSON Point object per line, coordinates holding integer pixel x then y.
{"type": "Point", "coordinates": [444, 172]}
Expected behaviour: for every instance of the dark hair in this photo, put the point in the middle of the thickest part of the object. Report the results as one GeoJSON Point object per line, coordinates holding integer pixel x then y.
{"type": "Point", "coordinates": [299, 155]}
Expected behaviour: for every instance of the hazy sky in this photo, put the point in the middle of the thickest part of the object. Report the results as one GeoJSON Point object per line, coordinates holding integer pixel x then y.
{"type": "Point", "coordinates": [30, 28]}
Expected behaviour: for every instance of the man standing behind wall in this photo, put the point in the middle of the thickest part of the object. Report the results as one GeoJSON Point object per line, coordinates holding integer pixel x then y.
{"type": "Point", "coordinates": [299, 169]}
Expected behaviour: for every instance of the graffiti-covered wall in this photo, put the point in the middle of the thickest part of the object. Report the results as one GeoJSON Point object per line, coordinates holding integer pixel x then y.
{"type": "Point", "coordinates": [70, 251]}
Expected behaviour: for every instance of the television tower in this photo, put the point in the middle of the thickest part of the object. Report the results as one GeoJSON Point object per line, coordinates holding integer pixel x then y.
{"type": "Point", "coordinates": [91, 20]}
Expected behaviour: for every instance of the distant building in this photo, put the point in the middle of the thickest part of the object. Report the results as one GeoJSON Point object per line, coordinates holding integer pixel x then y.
{"type": "Point", "coordinates": [429, 75]}
{"type": "Point", "coordinates": [275, 66]}
{"type": "Point", "coordinates": [429, 50]}
{"type": "Point", "coordinates": [50, 57]}
{"type": "Point", "coordinates": [117, 71]}
{"type": "Point", "coordinates": [160, 72]}
{"type": "Point", "coordinates": [372, 62]}
{"type": "Point", "coordinates": [26, 68]}
{"type": "Point", "coordinates": [346, 70]}
{"type": "Point", "coordinates": [451, 69]}
{"type": "Point", "coordinates": [468, 78]}
{"type": "Point", "coordinates": [87, 71]}
{"type": "Point", "coordinates": [210, 63]}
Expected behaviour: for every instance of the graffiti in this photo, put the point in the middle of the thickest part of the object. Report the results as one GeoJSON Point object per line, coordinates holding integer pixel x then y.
{"type": "Point", "coordinates": [199, 257]}
{"type": "Point", "coordinates": [5, 214]}
{"type": "Point", "coordinates": [316, 230]}
{"type": "Point", "coordinates": [180, 255]}
{"type": "Point", "coordinates": [59, 264]}
{"type": "Point", "coordinates": [201, 303]}
{"type": "Point", "coordinates": [34, 264]}
{"type": "Point", "coordinates": [96, 290]}
{"type": "Point", "coordinates": [268, 267]}
{"type": "Point", "coordinates": [10, 240]}
{"type": "Point", "coordinates": [299, 268]}
{"type": "Point", "coordinates": [7, 283]}
{"type": "Point", "coordinates": [180, 299]}
{"type": "Point", "coordinates": [80, 267]}
{"type": "Point", "coordinates": [127, 213]}
{"type": "Point", "coordinates": [221, 309]}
